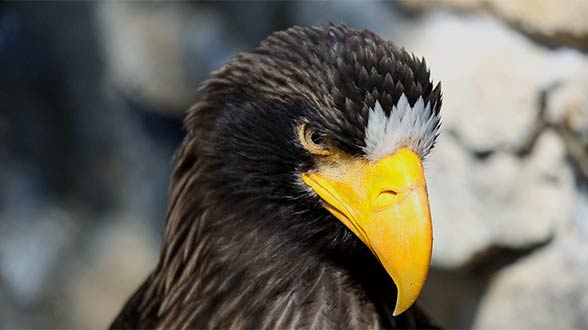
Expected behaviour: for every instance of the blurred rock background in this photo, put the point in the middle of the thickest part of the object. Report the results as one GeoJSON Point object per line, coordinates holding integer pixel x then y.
{"type": "Point", "coordinates": [92, 95]}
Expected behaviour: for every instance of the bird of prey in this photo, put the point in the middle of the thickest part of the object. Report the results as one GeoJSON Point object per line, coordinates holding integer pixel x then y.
{"type": "Point", "coordinates": [298, 196]}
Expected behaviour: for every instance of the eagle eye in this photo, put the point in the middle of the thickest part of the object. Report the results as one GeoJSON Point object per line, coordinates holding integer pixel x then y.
{"type": "Point", "coordinates": [313, 141]}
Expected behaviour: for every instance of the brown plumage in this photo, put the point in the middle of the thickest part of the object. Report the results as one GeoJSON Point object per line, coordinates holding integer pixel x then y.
{"type": "Point", "coordinates": [246, 245]}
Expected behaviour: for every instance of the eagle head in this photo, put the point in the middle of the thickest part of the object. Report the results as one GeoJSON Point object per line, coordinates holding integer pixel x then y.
{"type": "Point", "coordinates": [327, 128]}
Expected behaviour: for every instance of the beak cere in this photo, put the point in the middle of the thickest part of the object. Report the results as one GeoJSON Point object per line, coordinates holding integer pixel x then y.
{"type": "Point", "coordinates": [386, 205]}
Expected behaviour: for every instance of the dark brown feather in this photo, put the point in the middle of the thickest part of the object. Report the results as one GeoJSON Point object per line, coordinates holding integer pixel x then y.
{"type": "Point", "coordinates": [245, 246]}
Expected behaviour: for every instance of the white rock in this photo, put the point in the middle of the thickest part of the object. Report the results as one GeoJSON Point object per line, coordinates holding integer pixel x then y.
{"type": "Point", "coordinates": [491, 77]}
{"type": "Point", "coordinates": [547, 17]}
{"type": "Point", "coordinates": [492, 81]}
{"type": "Point", "coordinates": [158, 54]}
{"type": "Point", "coordinates": [558, 22]}
{"type": "Point", "coordinates": [458, 230]}
{"type": "Point", "coordinates": [567, 105]}
{"type": "Point", "coordinates": [547, 290]}
{"type": "Point", "coordinates": [502, 200]}
{"type": "Point", "coordinates": [121, 256]}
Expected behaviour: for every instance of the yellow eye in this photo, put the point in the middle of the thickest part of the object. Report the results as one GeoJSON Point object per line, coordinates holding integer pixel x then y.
{"type": "Point", "coordinates": [313, 141]}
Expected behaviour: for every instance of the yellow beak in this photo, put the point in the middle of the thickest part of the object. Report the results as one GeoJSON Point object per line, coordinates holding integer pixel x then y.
{"type": "Point", "coordinates": [386, 205]}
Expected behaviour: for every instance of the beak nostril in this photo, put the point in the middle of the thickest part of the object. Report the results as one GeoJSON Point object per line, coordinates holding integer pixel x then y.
{"type": "Point", "coordinates": [389, 192]}
{"type": "Point", "coordinates": [385, 198]}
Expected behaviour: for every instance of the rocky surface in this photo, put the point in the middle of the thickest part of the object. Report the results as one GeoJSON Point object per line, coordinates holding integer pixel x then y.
{"type": "Point", "coordinates": [492, 78]}
{"type": "Point", "coordinates": [547, 288]}
{"type": "Point", "coordinates": [553, 22]}
{"type": "Point", "coordinates": [92, 96]}
{"type": "Point", "coordinates": [103, 279]}
{"type": "Point", "coordinates": [506, 176]}
{"type": "Point", "coordinates": [507, 173]}
{"type": "Point", "coordinates": [566, 109]}
{"type": "Point", "coordinates": [497, 201]}
{"type": "Point", "coordinates": [158, 53]}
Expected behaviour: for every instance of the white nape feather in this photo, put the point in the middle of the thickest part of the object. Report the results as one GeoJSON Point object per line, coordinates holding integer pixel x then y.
{"type": "Point", "coordinates": [412, 127]}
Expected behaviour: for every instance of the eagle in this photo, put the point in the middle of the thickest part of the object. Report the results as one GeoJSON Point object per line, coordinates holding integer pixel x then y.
{"type": "Point", "coordinates": [298, 198]}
